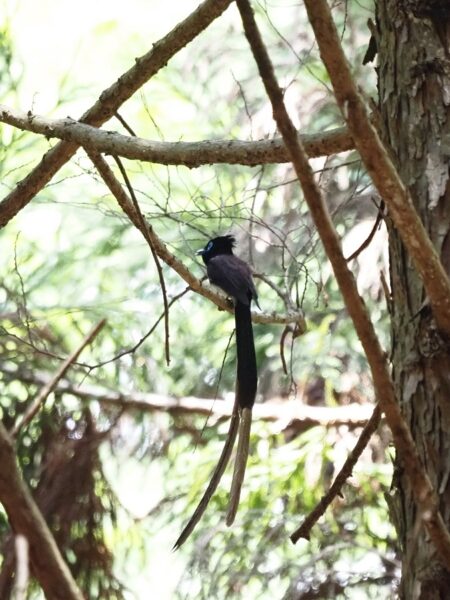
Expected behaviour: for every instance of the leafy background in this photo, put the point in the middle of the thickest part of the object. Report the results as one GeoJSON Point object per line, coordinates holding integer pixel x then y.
{"type": "Point", "coordinates": [118, 485]}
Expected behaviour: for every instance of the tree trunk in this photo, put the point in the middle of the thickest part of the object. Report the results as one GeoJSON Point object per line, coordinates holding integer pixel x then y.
{"type": "Point", "coordinates": [414, 84]}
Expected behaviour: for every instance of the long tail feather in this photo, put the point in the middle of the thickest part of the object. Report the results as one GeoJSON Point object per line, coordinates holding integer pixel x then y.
{"type": "Point", "coordinates": [247, 376]}
{"type": "Point", "coordinates": [247, 381]}
{"type": "Point", "coordinates": [240, 464]}
{"type": "Point", "coordinates": [215, 478]}
{"type": "Point", "coordinates": [246, 384]}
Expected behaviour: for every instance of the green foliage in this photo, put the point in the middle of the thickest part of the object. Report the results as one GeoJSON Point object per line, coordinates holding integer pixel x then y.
{"type": "Point", "coordinates": [71, 258]}
{"type": "Point", "coordinates": [256, 558]}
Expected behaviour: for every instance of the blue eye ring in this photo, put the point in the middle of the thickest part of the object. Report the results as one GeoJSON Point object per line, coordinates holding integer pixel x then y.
{"type": "Point", "coordinates": [209, 246]}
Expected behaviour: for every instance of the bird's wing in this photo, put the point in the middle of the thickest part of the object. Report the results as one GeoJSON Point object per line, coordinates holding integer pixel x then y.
{"type": "Point", "coordinates": [233, 276]}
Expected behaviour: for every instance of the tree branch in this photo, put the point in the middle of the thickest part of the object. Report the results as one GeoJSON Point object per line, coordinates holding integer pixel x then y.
{"type": "Point", "coordinates": [53, 382]}
{"type": "Point", "coordinates": [25, 518]}
{"type": "Point", "coordinates": [425, 497]}
{"type": "Point", "coordinates": [110, 100]}
{"type": "Point", "coordinates": [290, 414]}
{"type": "Point", "coordinates": [379, 165]}
{"type": "Point", "coordinates": [369, 429]}
{"type": "Point", "coordinates": [190, 154]}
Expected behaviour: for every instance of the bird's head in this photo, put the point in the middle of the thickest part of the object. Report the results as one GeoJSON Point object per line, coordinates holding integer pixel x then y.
{"type": "Point", "coordinates": [223, 244]}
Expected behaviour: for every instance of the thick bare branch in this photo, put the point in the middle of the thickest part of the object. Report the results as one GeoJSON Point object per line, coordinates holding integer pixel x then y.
{"type": "Point", "coordinates": [164, 254]}
{"type": "Point", "coordinates": [190, 154]}
{"type": "Point", "coordinates": [425, 496]}
{"type": "Point", "coordinates": [110, 100]}
{"type": "Point", "coordinates": [379, 165]}
{"type": "Point", "coordinates": [25, 518]}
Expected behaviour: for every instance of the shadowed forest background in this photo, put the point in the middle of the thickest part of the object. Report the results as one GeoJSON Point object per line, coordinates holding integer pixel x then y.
{"type": "Point", "coordinates": [119, 452]}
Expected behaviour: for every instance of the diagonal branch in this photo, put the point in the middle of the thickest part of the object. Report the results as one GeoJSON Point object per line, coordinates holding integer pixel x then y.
{"type": "Point", "coordinates": [425, 496]}
{"type": "Point", "coordinates": [190, 154]}
{"type": "Point", "coordinates": [110, 100]}
{"type": "Point", "coordinates": [51, 385]}
{"type": "Point", "coordinates": [164, 254]}
{"type": "Point", "coordinates": [26, 519]}
{"type": "Point", "coordinates": [379, 165]}
{"type": "Point", "coordinates": [369, 429]}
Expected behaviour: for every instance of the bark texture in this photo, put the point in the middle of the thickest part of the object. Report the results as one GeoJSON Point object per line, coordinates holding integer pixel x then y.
{"type": "Point", "coordinates": [414, 86]}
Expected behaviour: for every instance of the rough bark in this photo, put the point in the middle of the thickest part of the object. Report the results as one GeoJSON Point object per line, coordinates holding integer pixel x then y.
{"type": "Point", "coordinates": [414, 86]}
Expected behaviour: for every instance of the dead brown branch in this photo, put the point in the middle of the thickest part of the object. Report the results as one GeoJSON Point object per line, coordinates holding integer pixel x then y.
{"type": "Point", "coordinates": [26, 519]}
{"type": "Point", "coordinates": [369, 429]}
{"type": "Point", "coordinates": [370, 237]}
{"type": "Point", "coordinates": [145, 231]}
{"type": "Point", "coordinates": [425, 496]}
{"type": "Point", "coordinates": [286, 414]}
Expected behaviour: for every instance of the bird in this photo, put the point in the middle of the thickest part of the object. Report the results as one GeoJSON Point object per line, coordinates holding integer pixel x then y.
{"type": "Point", "coordinates": [234, 276]}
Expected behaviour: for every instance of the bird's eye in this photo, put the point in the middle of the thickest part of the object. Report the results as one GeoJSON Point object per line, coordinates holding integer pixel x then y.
{"type": "Point", "coordinates": [209, 246]}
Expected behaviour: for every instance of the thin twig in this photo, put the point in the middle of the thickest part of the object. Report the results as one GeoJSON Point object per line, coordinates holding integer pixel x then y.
{"type": "Point", "coordinates": [52, 384]}
{"type": "Point", "coordinates": [23, 301]}
{"type": "Point", "coordinates": [148, 238]}
{"type": "Point", "coordinates": [295, 334]}
{"type": "Point", "coordinates": [369, 429]}
{"type": "Point", "coordinates": [219, 379]}
{"type": "Point", "coordinates": [125, 124]}
{"type": "Point", "coordinates": [138, 344]}
{"type": "Point", "coordinates": [144, 228]}
{"type": "Point", "coordinates": [370, 237]}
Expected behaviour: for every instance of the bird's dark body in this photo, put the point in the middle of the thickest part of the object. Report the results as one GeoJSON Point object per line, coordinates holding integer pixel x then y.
{"type": "Point", "coordinates": [234, 277]}
{"type": "Point", "coordinates": [247, 378]}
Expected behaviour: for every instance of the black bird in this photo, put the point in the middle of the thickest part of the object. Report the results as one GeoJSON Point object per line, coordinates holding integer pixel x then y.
{"type": "Point", "coordinates": [234, 277]}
